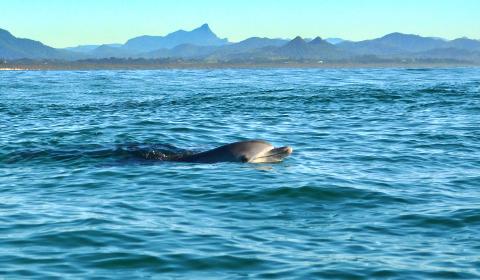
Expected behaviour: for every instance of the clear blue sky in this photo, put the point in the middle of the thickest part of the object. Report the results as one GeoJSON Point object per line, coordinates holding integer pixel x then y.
{"type": "Point", "coordinates": [62, 23]}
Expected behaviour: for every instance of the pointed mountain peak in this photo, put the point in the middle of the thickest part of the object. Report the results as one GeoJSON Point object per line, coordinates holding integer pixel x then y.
{"type": "Point", "coordinates": [204, 28]}
{"type": "Point", "coordinates": [317, 40]}
{"type": "Point", "coordinates": [297, 42]}
{"type": "Point", "coordinates": [298, 39]}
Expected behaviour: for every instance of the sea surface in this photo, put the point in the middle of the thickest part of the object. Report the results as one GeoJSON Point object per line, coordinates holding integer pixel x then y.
{"type": "Point", "coordinates": [383, 182]}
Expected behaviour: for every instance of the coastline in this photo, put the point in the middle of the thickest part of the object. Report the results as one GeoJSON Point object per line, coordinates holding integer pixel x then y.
{"type": "Point", "coordinates": [76, 66]}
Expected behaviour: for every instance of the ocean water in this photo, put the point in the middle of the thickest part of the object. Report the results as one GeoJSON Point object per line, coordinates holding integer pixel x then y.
{"type": "Point", "coordinates": [383, 183]}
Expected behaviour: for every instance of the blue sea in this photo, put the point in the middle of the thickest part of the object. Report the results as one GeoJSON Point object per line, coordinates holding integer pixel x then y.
{"type": "Point", "coordinates": [383, 182]}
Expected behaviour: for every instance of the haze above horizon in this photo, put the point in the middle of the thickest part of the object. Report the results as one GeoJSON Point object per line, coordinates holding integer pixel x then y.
{"type": "Point", "coordinates": [62, 23]}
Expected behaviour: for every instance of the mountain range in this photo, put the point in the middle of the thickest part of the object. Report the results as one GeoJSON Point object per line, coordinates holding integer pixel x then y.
{"type": "Point", "coordinates": [202, 44]}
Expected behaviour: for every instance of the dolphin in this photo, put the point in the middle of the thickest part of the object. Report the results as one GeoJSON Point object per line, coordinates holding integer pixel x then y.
{"type": "Point", "coordinates": [251, 151]}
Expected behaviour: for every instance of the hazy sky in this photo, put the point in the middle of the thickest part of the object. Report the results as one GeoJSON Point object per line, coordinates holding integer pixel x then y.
{"type": "Point", "coordinates": [61, 23]}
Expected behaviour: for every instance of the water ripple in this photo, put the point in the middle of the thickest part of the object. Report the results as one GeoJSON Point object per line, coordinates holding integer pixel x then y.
{"type": "Point", "coordinates": [383, 181]}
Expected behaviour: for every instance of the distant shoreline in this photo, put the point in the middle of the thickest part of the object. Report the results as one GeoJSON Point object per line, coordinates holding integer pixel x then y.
{"type": "Point", "coordinates": [179, 66]}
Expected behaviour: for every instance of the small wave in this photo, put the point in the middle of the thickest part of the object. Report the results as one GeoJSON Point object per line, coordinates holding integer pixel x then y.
{"type": "Point", "coordinates": [472, 181]}
{"type": "Point", "coordinates": [429, 221]}
{"type": "Point", "coordinates": [305, 193]}
{"type": "Point", "coordinates": [451, 219]}
{"type": "Point", "coordinates": [420, 69]}
{"type": "Point", "coordinates": [116, 260]}
{"type": "Point", "coordinates": [331, 194]}
{"type": "Point", "coordinates": [468, 216]}
{"type": "Point", "coordinates": [440, 89]}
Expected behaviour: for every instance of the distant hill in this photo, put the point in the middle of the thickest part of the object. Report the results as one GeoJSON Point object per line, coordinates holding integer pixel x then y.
{"type": "Point", "coordinates": [392, 45]}
{"type": "Point", "coordinates": [465, 44]}
{"type": "Point", "coordinates": [251, 48]}
{"type": "Point", "coordinates": [254, 43]}
{"type": "Point", "coordinates": [449, 54]}
{"type": "Point", "coordinates": [411, 43]}
{"type": "Point", "coordinates": [106, 51]}
{"type": "Point", "coordinates": [12, 47]}
{"type": "Point", "coordinates": [298, 48]}
{"type": "Point", "coordinates": [186, 51]}
{"type": "Point", "coordinates": [88, 48]}
{"type": "Point", "coordinates": [202, 36]}
{"type": "Point", "coordinates": [398, 44]}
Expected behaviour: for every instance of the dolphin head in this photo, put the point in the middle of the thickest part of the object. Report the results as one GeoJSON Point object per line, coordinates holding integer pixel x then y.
{"type": "Point", "coordinates": [252, 151]}
{"type": "Point", "coordinates": [257, 151]}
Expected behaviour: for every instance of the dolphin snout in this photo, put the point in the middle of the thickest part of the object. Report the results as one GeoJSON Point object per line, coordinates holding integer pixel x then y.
{"type": "Point", "coordinates": [286, 149]}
